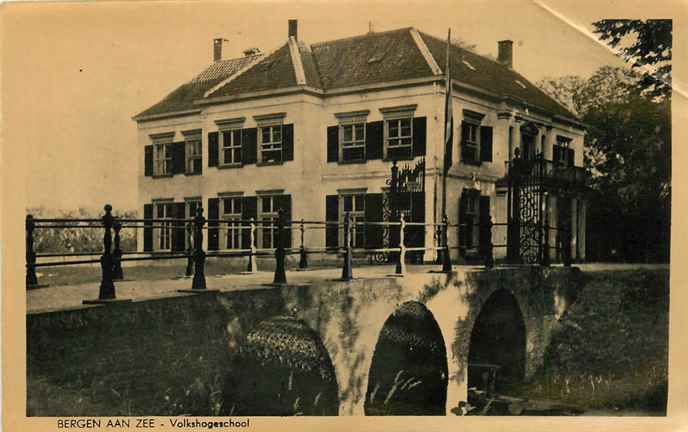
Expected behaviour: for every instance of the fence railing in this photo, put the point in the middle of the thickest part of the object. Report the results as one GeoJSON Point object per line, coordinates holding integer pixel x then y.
{"type": "Point", "coordinates": [112, 256]}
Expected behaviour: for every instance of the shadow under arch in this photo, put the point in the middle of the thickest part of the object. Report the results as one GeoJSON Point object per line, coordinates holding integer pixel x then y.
{"type": "Point", "coordinates": [282, 369]}
{"type": "Point", "coordinates": [498, 342]}
{"type": "Point", "coordinates": [408, 371]}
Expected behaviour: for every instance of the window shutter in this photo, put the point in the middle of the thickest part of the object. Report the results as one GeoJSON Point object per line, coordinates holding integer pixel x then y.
{"type": "Point", "coordinates": [213, 213]}
{"type": "Point", "coordinates": [419, 136]}
{"type": "Point", "coordinates": [415, 235]}
{"type": "Point", "coordinates": [333, 143]}
{"type": "Point", "coordinates": [332, 215]}
{"type": "Point", "coordinates": [213, 150]}
{"type": "Point", "coordinates": [484, 219]}
{"type": "Point", "coordinates": [464, 149]}
{"type": "Point", "coordinates": [555, 154]}
{"type": "Point", "coordinates": [148, 161]}
{"type": "Point", "coordinates": [249, 209]}
{"type": "Point", "coordinates": [374, 140]}
{"type": "Point", "coordinates": [373, 213]}
{"type": "Point", "coordinates": [178, 227]}
{"type": "Point", "coordinates": [571, 157]}
{"type": "Point", "coordinates": [147, 228]}
{"type": "Point", "coordinates": [178, 157]}
{"type": "Point", "coordinates": [284, 203]}
{"type": "Point", "coordinates": [249, 145]}
{"type": "Point", "coordinates": [288, 142]}
{"type": "Point", "coordinates": [462, 220]}
{"type": "Point", "coordinates": [486, 143]}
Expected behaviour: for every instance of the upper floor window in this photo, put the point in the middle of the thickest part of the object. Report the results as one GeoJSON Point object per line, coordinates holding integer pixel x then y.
{"type": "Point", "coordinates": [470, 146]}
{"type": "Point", "coordinates": [271, 143]}
{"type": "Point", "coordinates": [399, 138]}
{"type": "Point", "coordinates": [353, 141]}
{"type": "Point", "coordinates": [230, 152]}
{"type": "Point", "coordinates": [562, 153]}
{"type": "Point", "coordinates": [193, 150]}
{"type": "Point", "coordinates": [163, 159]}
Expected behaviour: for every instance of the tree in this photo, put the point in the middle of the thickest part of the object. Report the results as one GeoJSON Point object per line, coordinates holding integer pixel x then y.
{"type": "Point", "coordinates": [646, 46]}
{"type": "Point", "coordinates": [627, 137]}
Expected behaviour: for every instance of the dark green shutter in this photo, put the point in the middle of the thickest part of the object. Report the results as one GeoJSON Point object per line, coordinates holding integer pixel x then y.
{"type": "Point", "coordinates": [486, 143]}
{"type": "Point", "coordinates": [485, 233]}
{"type": "Point", "coordinates": [373, 213]}
{"type": "Point", "coordinates": [147, 228]}
{"type": "Point", "coordinates": [148, 160]}
{"type": "Point", "coordinates": [213, 150]}
{"type": "Point", "coordinates": [249, 145]}
{"type": "Point", "coordinates": [333, 143]}
{"type": "Point", "coordinates": [462, 221]}
{"type": "Point", "coordinates": [213, 215]}
{"type": "Point", "coordinates": [284, 203]}
{"type": "Point", "coordinates": [332, 215]}
{"type": "Point", "coordinates": [419, 136]}
{"type": "Point", "coordinates": [555, 154]}
{"type": "Point", "coordinates": [465, 158]}
{"type": "Point", "coordinates": [415, 235]}
{"type": "Point", "coordinates": [288, 142]}
{"type": "Point", "coordinates": [571, 157]}
{"type": "Point", "coordinates": [178, 157]}
{"type": "Point", "coordinates": [178, 227]}
{"type": "Point", "coordinates": [374, 140]}
{"type": "Point", "coordinates": [249, 210]}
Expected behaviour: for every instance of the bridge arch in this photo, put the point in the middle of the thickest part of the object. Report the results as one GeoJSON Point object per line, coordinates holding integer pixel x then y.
{"type": "Point", "coordinates": [498, 344]}
{"type": "Point", "coordinates": [408, 371]}
{"type": "Point", "coordinates": [282, 369]}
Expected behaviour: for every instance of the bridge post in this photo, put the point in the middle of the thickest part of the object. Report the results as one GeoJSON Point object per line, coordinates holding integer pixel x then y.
{"type": "Point", "coordinates": [280, 275]}
{"type": "Point", "coordinates": [252, 267]}
{"type": "Point", "coordinates": [31, 278]}
{"type": "Point", "coordinates": [107, 286]}
{"type": "Point", "coordinates": [488, 253]}
{"type": "Point", "coordinates": [303, 259]}
{"type": "Point", "coordinates": [117, 272]}
{"type": "Point", "coordinates": [189, 250]}
{"type": "Point", "coordinates": [401, 261]}
{"type": "Point", "coordinates": [198, 282]}
{"type": "Point", "coordinates": [347, 271]}
{"type": "Point", "coordinates": [446, 256]}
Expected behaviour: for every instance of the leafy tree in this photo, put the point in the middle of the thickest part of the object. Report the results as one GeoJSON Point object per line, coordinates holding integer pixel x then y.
{"type": "Point", "coordinates": [646, 46]}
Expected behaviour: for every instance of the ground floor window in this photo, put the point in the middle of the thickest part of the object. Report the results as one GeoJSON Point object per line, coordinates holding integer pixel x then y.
{"type": "Point", "coordinates": [190, 207]}
{"type": "Point", "coordinates": [231, 214]}
{"type": "Point", "coordinates": [267, 215]}
{"type": "Point", "coordinates": [354, 204]}
{"type": "Point", "coordinates": [164, 210]}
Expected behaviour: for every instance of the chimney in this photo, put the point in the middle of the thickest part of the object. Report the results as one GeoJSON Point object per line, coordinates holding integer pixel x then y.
{"type": "Point", "coordinates": [506, 53]}
{"type": "Point", "coordinates": [217, 48]}
{"type": "Point", "coordinates": [294, 29]}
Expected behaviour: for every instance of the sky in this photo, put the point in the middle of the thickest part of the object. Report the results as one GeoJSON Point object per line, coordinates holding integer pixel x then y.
{"type": "Point", "coordinates": [78, 72]}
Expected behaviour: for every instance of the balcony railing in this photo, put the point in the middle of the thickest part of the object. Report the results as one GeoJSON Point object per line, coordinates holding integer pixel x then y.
{"type": "Point", "coordinates": [553, 172]}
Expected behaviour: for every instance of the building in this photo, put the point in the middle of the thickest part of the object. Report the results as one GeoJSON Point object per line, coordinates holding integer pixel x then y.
{"type": "Point", "coordinates": [314, 129]}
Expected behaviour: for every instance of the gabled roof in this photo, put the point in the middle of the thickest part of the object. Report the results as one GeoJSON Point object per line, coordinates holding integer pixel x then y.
{"type": "Point", "coordinates": [182, 98]}
{"type": "Point", "coordinates": [368, 59]}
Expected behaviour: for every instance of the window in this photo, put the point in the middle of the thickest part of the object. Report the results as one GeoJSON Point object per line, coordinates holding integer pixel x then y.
{"type": "Point", "coordinates": [163, 159]}
{"type": "Point", "coordinates": [560, 152]}
{"type": "Point", "coordinates": [471, 220]}
{"type": "Point", "coordinates": [353, 141]}
{"type": "Point", "coordinates": [190, 213]}
{"type": "Point", "coordinates": [355, 205]}
{"type": "Point", "coordinates": [268, 217]}
{"type": "Point", "coordinates": [193, 155]}
{"type": "Point", "coordinates": [231, 213]}
{"type": "Point", "coordinates": [271, 143]}
{"type": "Point", "coordinates": [399, 138]}
{"type": "Point", "coordinates": [470, 146]}
{"type": "Point", "coordinates": [230, 152]}
{"type": "Point", "coordinates": [164, 210]}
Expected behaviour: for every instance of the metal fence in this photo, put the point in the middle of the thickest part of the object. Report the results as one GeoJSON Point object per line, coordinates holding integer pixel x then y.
{"type": "Point", "coordinates": [112, 256]}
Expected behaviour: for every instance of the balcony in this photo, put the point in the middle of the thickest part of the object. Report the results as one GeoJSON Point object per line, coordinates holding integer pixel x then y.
{"type": "Point", "coordinates": [551, 173]}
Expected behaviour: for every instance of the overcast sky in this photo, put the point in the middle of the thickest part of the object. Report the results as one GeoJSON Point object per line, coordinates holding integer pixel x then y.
{"type": "Point", "coordinates": [79, 72]}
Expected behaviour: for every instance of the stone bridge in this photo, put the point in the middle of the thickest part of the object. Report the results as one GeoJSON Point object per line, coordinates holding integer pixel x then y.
{"type": "Point", "coordinates": [361, 343]}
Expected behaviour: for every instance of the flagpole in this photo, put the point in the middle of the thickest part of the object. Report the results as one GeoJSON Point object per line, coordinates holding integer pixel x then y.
{"type": "Point", "coordinates": [447, 134]}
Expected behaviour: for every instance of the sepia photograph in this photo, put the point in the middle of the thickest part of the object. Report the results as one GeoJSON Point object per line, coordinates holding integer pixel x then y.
{"type": "Point", "coordinates": [228, 211]}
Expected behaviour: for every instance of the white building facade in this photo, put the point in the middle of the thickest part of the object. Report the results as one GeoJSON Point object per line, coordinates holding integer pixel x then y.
{"type": "Point", "coordinates": [313, 129]}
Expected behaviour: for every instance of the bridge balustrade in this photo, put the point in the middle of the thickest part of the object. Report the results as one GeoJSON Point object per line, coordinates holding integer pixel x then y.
{"type": "Point", "coordinates": [112, 256]}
